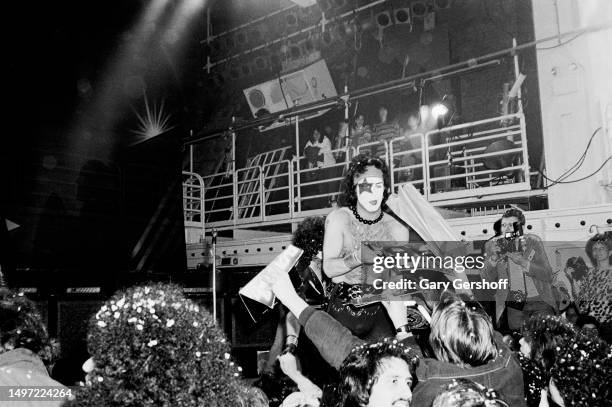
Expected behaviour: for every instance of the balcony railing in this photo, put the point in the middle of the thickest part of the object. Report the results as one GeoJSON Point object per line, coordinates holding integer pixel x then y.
{"type": "Point", "coordinates": [480, 158]}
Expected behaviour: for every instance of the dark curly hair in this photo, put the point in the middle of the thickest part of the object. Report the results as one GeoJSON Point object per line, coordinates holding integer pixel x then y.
{"type": "Point", "coordinates": [21, 326]}
{"type": "Point", "coordinates": [543, 334]}
{"type": "Point", "coordinates": [361, 368]}
{"type": "Point", "coordinates": [580, 268]}
{"type": "Point", "coordinates": [604, 238]}
{"type": "Point", "coordinates": [153, 347]}
{"type": "Point", "coordinates": [358, 166]}
{"type": "Point", "coordinates": [309, 236]}
{"type": "Point", "coordinates": [583, 370]}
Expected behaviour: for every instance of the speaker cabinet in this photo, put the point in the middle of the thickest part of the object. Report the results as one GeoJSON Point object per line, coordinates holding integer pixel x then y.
{"type": "Point", "coordinates": [72, 322]}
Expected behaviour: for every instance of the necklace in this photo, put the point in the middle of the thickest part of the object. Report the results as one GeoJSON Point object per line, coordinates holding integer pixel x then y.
{"type": "Point", "coordinates": [365, 221]}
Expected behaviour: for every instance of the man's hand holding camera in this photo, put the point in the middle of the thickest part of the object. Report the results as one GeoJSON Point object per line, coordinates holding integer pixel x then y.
{"type": "Point", "coordinates": [505, 248]}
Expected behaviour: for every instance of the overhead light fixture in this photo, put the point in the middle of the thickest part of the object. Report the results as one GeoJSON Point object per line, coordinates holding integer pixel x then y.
{"type": "Point", "coordinates": [402, 15]}
{"type": "Point", "coordinates": [418, 9]}
{"type": "Point", "coordinates": [383, 19]}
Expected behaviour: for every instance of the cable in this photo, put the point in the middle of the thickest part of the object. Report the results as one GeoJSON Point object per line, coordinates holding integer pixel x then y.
{"type": "Point", "coordinates": [560, 44]}
{"type": "Point", "coordinates": [575, 180]}
{"type": "Point", "coordinates": [572, 170]}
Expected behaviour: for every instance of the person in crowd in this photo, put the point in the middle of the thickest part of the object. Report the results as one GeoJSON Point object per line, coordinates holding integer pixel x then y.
{"type": "Point", "coordinates": [409, 144]}
{"type": "Point", "coordinates": [329, 133]}
{"type": "Point", "coordinates": [360, 133]}
{"type": "Point", "coordinates": [26, 351]}
{"type": "Point", "coordinates": [380, 374]}
{"type": "Point", "coordinates": [362, 219]}
{"type": "Point", "coordinates": [297, 357]}
{"type": "Point", "coordinates": [571, 313]}
{"type": "Point", "coordinates": [318, 151]}
{"type": "Point", "coordinates": [596, 294]}
{"type": "Point", "coordinates": [462, 337]}
{"type": "Point", "coordinates": [567, 283]}
{"type": "Point", "coordinates": [542, 335]}
{"type": "Point", "coordinates": [522, 260]}
{"type": "Point", "coordinates": [466, 393]}
{"type": "Point", "coordinates": [581, 375]}
{"type": "Point", "coordinates": [384, 131]}
{"type": "Point", "coordinates": [466, 345]}
{"type": "Point", "coordinates": [151, 346]}
{"type": "Point", "coordinates": [588, 325]}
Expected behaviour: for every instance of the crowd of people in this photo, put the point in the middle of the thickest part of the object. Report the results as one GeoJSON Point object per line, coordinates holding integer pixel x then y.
{"type": "Point", "coordinates": [326, 148]}
{"type": "Point", "coordinates": [543, 344]}
{"type": "Point", "coordinates": [532, 347]}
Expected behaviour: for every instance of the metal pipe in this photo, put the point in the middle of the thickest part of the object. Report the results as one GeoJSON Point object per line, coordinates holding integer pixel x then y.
{"type": "Point", "coordinates": [231, 30]}
{"type": "Point", "coordinates": [469, 68]}
{"type": "Point", "coordinates": [517, 73]}
{"type": "Point", "coordinates": [214, 273]}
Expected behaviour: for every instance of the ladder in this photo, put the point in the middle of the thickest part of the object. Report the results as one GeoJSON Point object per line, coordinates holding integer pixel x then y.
{"type": "Point", "coordinates": [248, 193]}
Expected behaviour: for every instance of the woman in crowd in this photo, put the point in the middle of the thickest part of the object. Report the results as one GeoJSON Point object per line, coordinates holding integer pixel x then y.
{"type": "Point", "coordinates": [462, 338]}
{"type": "Point", "coordinates": [151, 346]}
{"type": "Point", "coordinates": [595, 297]}
{"type": "Point", "coordinates": [542, 335]}
{"type": "Point", "coordinates": [321, 148]}
{"type": "Point", "coordinates": [567, 284]}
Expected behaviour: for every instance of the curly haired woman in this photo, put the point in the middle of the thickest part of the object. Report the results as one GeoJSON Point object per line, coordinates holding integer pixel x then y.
{"type": "Point", "coordinates": [596, 296]}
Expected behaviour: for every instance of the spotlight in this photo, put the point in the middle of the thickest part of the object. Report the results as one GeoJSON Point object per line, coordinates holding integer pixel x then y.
{"type": "Point", "coordinates": [402, 16]}
{"type": "Point", "coordinates": [383, 19]}
{"type": "Point", "coordinates": [234, 74]}
{"type": "Point", "coordinates": [245, 70]}
{"type": "Point", "coordinates": [419, 9]}
{"type": "Point", "coordinates": [261, 63]}
{"type": "Point", "coordinates": [241, 38]}
{"type": "Point", "coordinates": [439, 110]}
{"type": "Point", "coordinates": [256, 35]}
{"type": "Point", "coordinates": [291, 20]}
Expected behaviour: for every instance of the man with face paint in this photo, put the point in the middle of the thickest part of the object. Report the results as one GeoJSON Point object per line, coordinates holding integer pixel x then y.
{"type": "Point", "coordinates": [362, 219]}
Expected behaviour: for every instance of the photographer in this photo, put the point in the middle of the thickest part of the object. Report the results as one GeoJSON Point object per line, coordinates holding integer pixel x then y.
{"type": "Point", "coordinates": [522, 260]}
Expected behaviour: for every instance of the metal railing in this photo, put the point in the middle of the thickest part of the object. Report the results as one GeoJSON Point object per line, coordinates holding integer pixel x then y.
{"type": "Point", "coordinates": [472, 159]}
{"type": "Point", "coordinates": [193, 198]}
{"type": "Point", "coordinates": [483, 155]}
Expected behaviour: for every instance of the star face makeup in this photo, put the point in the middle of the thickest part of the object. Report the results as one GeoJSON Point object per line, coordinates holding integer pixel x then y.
{"type": "Point", "coordinates": [370, 192]}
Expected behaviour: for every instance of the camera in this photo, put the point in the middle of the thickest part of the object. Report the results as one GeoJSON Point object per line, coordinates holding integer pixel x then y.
{"type": "Point", "coordinates": [507, 244]}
